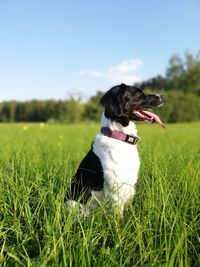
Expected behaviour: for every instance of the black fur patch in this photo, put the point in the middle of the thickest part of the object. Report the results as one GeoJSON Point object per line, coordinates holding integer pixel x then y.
{"type": "Point", "coordinates": [88, 177]}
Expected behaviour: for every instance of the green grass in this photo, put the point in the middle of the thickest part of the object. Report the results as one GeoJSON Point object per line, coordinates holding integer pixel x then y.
{"type": "Point", "coordinates": [160, 228]}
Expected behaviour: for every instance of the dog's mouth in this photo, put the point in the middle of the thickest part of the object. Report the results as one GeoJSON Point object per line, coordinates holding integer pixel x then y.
{"type": "Point", "coordinates": [144, 115]}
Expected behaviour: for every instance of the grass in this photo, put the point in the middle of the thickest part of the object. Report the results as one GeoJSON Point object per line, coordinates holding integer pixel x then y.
{"type": "Point", "coordinates": [160, 228]}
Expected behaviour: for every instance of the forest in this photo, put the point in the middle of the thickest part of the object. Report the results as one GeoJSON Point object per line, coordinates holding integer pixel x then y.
{"type": "Point", "coordinates": [180, 85]}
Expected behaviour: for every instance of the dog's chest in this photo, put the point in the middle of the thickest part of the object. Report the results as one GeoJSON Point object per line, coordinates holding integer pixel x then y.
{"type": "Point", "coordinates": [120, 161]}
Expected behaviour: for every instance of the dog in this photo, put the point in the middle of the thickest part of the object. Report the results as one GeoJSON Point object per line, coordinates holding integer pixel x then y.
{"type": "Point", "coordinates": [110, 169]}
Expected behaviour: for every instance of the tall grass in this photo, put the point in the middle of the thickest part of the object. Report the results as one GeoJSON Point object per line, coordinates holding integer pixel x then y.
{"type": "Point", "coordinates": [160, 228]}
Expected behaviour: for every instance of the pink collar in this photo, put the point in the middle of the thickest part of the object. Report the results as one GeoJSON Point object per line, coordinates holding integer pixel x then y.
{"type": "Point", "coordinates": [119, 135]}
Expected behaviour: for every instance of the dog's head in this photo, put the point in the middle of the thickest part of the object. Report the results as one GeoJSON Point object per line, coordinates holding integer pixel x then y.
{"type": "Point", "coordinates": [121, 101]}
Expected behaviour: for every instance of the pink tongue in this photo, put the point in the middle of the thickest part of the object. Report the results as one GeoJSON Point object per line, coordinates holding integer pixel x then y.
{"type": "Point", "coordinates": [151, 115]}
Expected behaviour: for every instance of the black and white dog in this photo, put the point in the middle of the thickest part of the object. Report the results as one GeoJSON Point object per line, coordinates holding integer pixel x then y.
{"type": "Point", "coordinates": [110, 169]}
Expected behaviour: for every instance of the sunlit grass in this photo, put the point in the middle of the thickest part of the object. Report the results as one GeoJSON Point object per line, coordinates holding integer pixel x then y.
{"type": "Point", "coordinates": [160, 228]}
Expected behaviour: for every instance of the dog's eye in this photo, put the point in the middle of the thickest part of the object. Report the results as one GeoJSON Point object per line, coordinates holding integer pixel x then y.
{"type": "Point", "coordinates": [139, 94]}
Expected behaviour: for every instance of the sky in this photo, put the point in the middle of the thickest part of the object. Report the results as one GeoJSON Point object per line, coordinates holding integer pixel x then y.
{"type": "Point", "coordinates": [56, 48]}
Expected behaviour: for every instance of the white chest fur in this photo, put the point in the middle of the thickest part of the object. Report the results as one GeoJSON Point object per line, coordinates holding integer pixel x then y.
{"type": "Point", "coordinates": [120, 162]}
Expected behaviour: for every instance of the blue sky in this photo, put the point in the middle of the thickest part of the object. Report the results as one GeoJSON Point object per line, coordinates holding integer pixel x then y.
{"type": "Point", "coordinates": [50, 49]}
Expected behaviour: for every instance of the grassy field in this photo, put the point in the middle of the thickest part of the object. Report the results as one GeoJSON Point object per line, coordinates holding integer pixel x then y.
{"type": "Point", "coordinates": [160, 228]}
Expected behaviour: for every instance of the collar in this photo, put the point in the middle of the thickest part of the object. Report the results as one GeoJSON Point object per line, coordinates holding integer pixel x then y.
{"type": "Point", "coordinates": [119, 135]}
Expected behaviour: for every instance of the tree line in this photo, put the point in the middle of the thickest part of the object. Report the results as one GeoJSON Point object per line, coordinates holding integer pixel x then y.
{"type": "Point", "coordinates": [180, 85]}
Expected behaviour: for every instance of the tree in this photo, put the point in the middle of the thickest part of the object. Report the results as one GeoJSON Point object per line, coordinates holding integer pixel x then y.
{"type": "Point", "coordinates": [74, 110]}
{"type": "Point", "coordinates": [93, 108]}
{"type": "Point", "coordinates": [191, 80]}
{"type": "Point", "coordinates": [175, 71]}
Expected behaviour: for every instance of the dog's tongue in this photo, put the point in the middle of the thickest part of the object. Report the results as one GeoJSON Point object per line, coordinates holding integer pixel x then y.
{"type": "Point", "coordinates": [151, 117]}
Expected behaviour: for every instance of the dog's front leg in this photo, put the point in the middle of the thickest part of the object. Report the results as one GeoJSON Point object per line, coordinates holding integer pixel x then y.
{"type": "Point", "coordinates": [114, 197]}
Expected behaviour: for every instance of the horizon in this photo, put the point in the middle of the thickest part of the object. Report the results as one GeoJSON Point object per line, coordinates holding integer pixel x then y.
{"type": "Point", "coordinates": [51, 50]}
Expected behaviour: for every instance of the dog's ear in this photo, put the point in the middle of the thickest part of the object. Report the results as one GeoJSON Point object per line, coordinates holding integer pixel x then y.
{"type": "Point", "coordinates": [111, 101]}
{"type": "Point", "coordinates": [123, 86]}
{"type": "Point", "coordinates": [114, 103]}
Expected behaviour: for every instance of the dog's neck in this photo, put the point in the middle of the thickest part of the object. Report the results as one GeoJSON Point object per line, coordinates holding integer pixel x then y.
{"type": "Point", "coordinates": [130, 129]}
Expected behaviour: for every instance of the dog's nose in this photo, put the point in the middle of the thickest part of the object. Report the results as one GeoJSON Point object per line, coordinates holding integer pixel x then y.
{"type": "Point", "coordinates": [163, 97]}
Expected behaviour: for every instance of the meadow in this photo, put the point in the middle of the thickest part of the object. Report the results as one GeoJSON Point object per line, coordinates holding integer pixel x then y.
{"type": "Point", "coordinates": [161, 227]}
